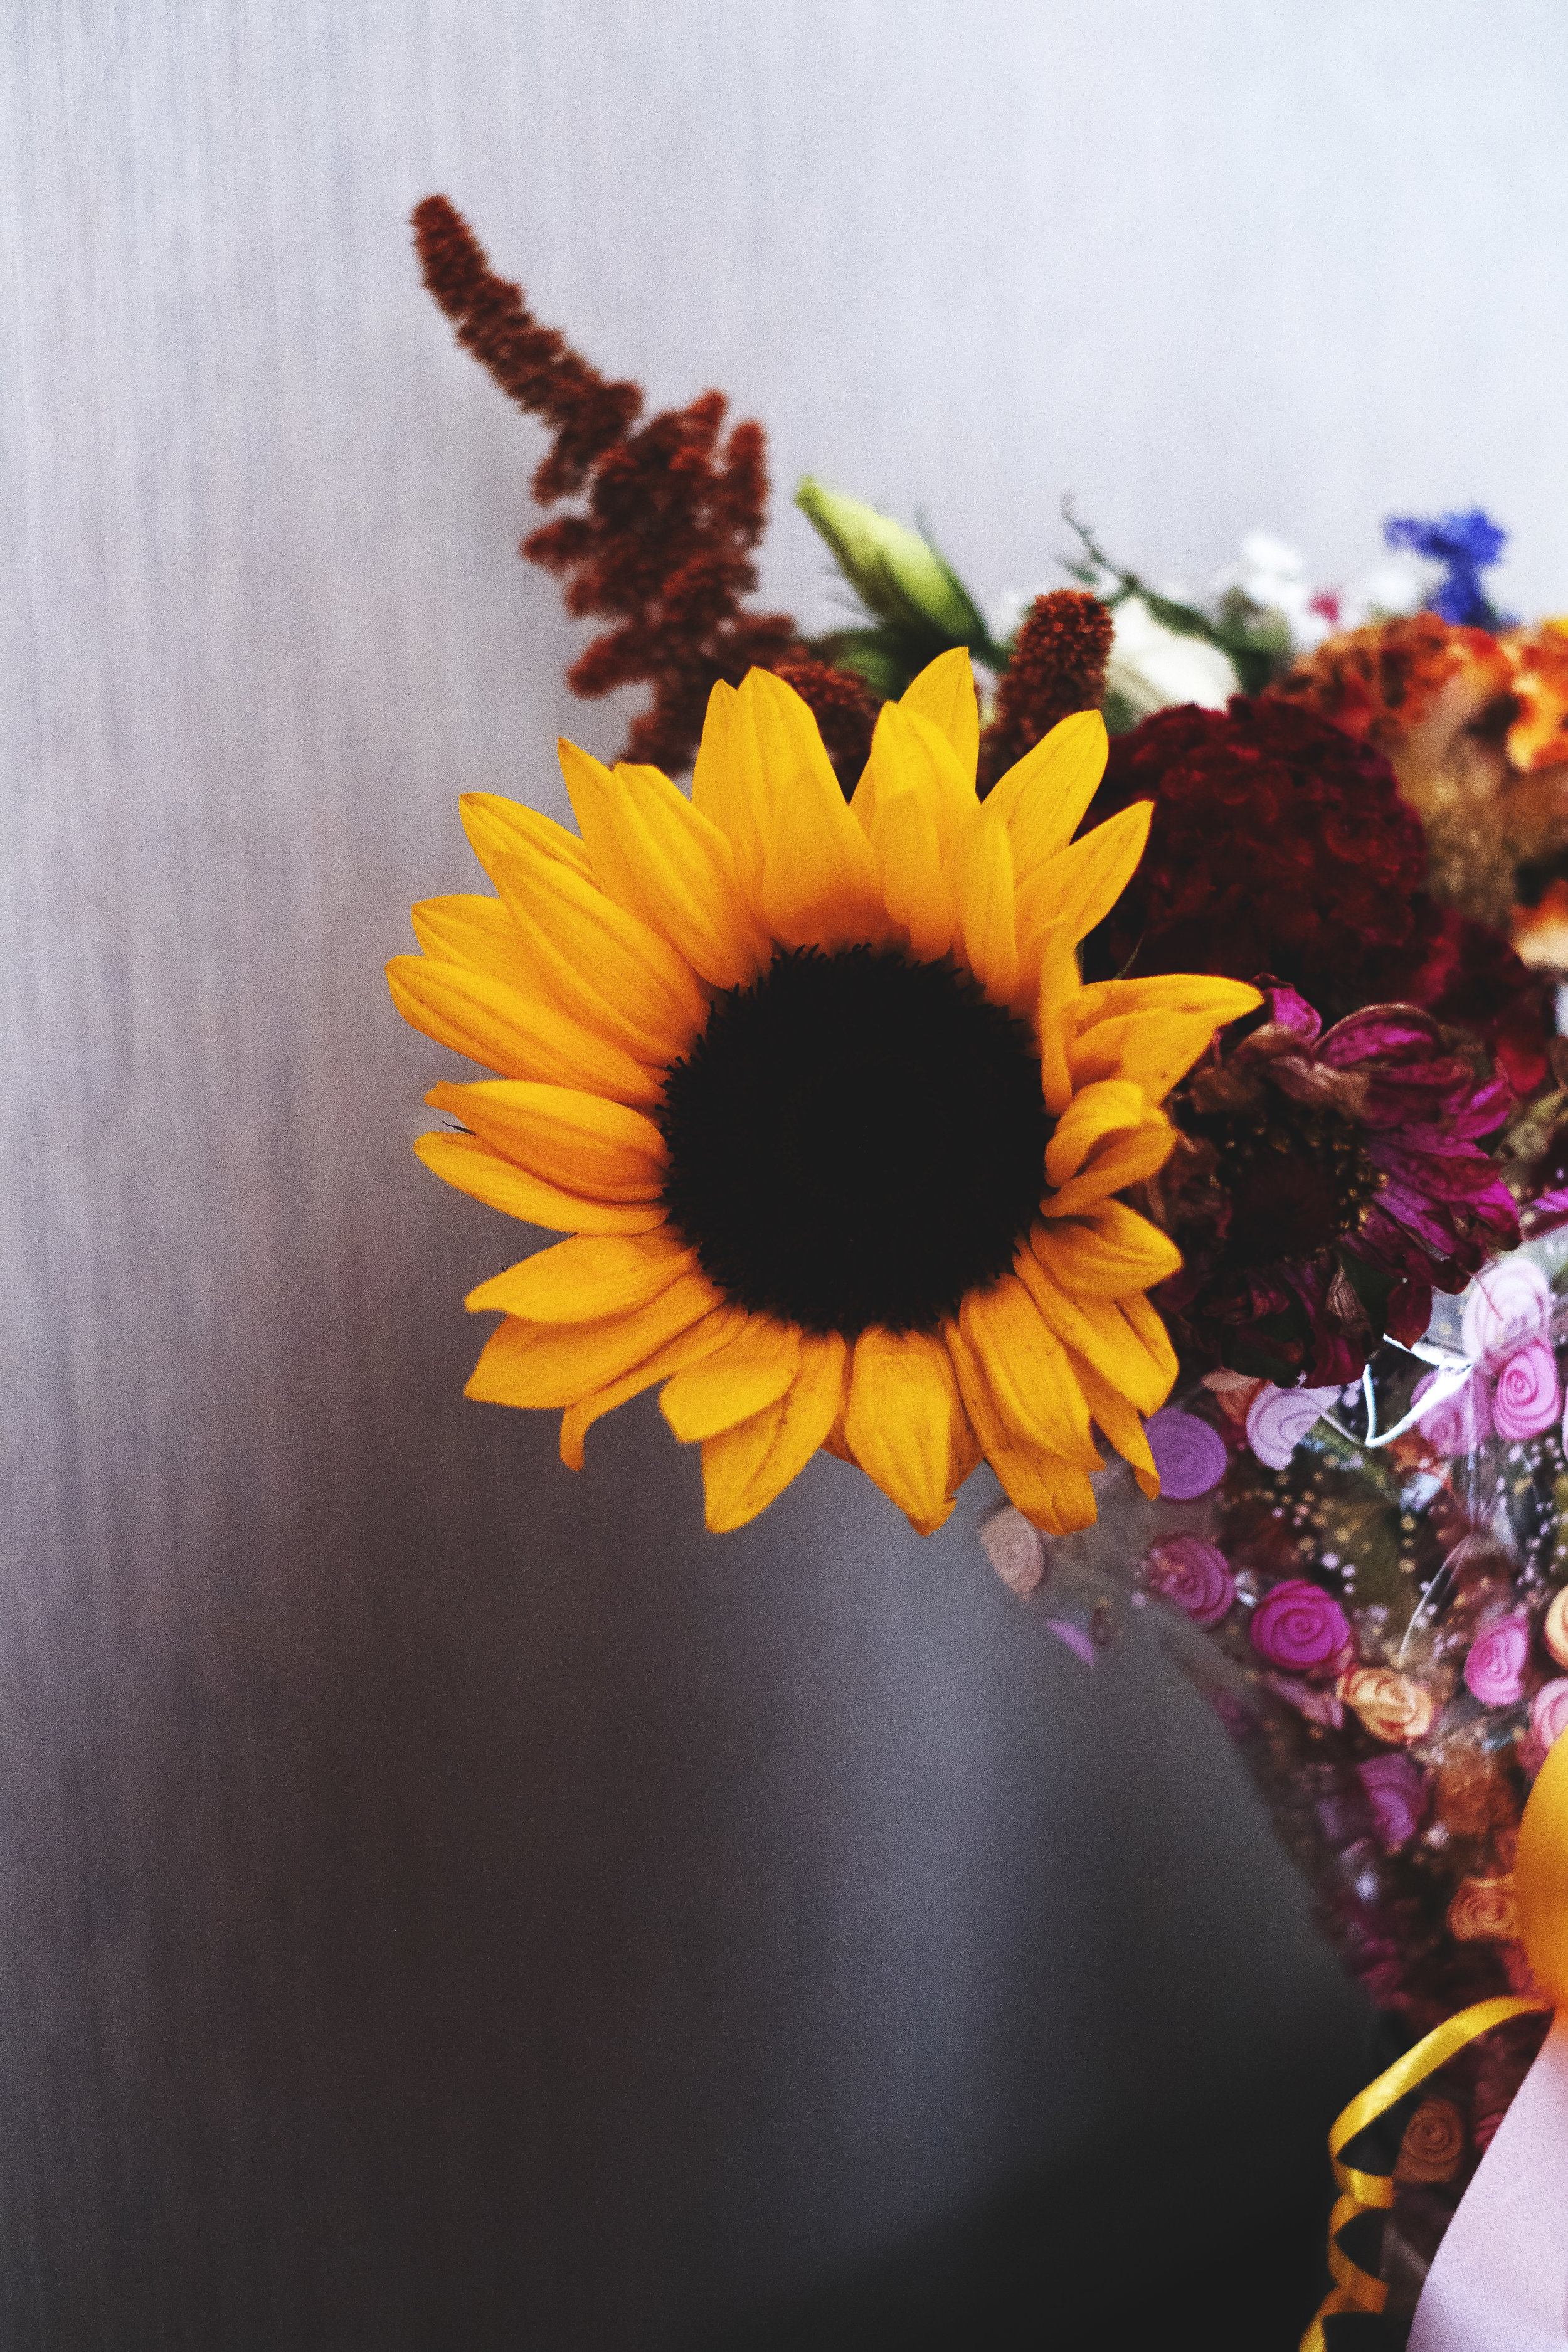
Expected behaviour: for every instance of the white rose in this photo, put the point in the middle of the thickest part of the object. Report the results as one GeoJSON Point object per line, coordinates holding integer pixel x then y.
{"type": "Point", "coordinates": [1151, 668]}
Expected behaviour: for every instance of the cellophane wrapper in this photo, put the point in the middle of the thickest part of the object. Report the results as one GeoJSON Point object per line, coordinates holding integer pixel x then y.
{"type": "Point", "coordinates": [1382, 1628]}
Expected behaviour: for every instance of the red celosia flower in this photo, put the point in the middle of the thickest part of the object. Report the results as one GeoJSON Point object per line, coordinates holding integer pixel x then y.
{"type": "Point", "coordinates": [1325, 1185]}
{"type": "Point", "coordinates": [1057, 667]}
{"type": "Point", "coordinates": [1277, 844]}
{"type": "Point", "coordinates": [664, 547]}
{"type": "Point", "coordinates": [1280, 844]}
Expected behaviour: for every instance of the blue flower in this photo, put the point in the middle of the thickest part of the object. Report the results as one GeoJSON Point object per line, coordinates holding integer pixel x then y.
{"type": "Point", "coordinates": [1465, 544]}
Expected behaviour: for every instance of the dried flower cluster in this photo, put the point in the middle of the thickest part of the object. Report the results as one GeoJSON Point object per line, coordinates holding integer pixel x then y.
{"type": "Point", "coordinates": [664, 544]}
{"type": "Point", "coordinates": [1057, 667]}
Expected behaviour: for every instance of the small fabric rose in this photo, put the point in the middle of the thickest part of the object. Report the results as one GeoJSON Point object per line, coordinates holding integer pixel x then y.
{"type": "Point", "coordinates": [1555, 1630]}
{"type": "Point", "coordinates": [1015, 1549]}
{"type": "Point", "coordinates": [1190, 1455]}
{"type": "Point", "coordinates": [1195, 1575]}
{"type": "Point", "coordinates": [1549, 1712]}
{"type": "Point", "coordinates": [1310, 1699]}
{"type": "Point", "coordinates": [1528, 1396]}
{"type": "Point", "coordinates": [1460, 1420]}
{"type": "Point", "coordinates": [1397, 1795]}
{"type": "Point", "coordinates": [1303, 1629]}
{"type": "Point", "coordinates": [1495, 1669]}
{"type": "Point", "coordinates": [1278, 1419]}
{"type": "Point", "coordinates": [1389, 1705]}
{"type": "Point", "coordinates": [1483, 1911]}
{"type": "Point", "coordinates": [1508, 1302]}
{"type": "Point", "coordinates": [1433, 2144]}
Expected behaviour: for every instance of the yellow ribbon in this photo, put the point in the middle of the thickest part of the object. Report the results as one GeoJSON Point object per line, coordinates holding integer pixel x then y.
{"type": "Point", "coordinates": [1540, 1893]}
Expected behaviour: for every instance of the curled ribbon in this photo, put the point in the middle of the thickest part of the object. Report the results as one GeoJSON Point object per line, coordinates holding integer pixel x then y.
{"type": "Point", "coordinates": [1541, 1889]}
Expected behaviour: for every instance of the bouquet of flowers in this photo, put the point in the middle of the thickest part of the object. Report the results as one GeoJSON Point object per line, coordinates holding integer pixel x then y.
{"type": "Point", "coordinates": [960, 1070]}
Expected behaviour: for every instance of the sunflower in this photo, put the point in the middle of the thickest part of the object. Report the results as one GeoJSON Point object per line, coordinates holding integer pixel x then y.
{"type": "Point", "coordinates": [818, 1094]}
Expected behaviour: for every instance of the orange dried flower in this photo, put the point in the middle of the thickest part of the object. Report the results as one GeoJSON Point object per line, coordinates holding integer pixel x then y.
{"type": "Point", "coordinates": [1381, 682]}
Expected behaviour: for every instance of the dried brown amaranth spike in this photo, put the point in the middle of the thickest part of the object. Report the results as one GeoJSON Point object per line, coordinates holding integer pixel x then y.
{"type": "Point", "coordinates": [1057, 667]}
{"type": "Point", "coordinates": [662, 547]}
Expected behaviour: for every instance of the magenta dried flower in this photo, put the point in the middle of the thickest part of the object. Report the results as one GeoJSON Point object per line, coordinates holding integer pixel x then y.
{"type": "Point", "coordinates": [1326, 1182]}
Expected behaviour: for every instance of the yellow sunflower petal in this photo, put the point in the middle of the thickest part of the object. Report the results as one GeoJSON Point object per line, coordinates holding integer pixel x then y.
{"type": "Point", "coordinates": [689, 1348]}
{"type": "Point", "coordinates": [1121, 1425]}
{"type": "Point", "coordinates": [986, 934]}
{"type": "Point", "coordinates": [1120, 1161]}
{"type": "Point", "coordinates": [968, 1453]}
{"type": "Point", "coordinates": [1153, 1049]}
{"type": "Point", "coordinates": [1026, 1372]}
{"type": "Point", "coordinates": [464, 1161]}
{"type": "Point", "coordinates": [1150, 1329]}
{"type": "Point", "coordinates": [1056, 1013]}
{"type": "Point", "coordinates": [557, 1363]}
{"type": "Point", "coordinates": [1110, 1108]}
{"type": "Point", "coordinates": [727, 789]}
{"type": "Point", "coordinates": [1084, 881]}
{"type": "Point", "coordinates": [916, 892]}
{"type": "Point", "coordinates": [1154, 1030]}
{"type": "Point", "coordinates": [586, 1278]}
{"type": "Point", "coordinates": [944, 693]}
{"type": "Point", "coordinates": [686, 869]}
{"type": "Point", "coordinates": [1168, 993]}
{"type": "Point", "coordinates": [749, 1372]}
{"type": "Point", "coordinates": [1093, 1329]}
{"type": "Point", "coordinates": [500, 829]}
{"type": "Point", "coordinates": [1056, 1495]}
{"type": "Point", "coordinates": [899, 1423]}
{"type": "Point", "coordinates": [663, 861]}
{"type": "Point", "coordinates": [576, 1141]}
{"type": "Point", "coordinates": [470, 930]}
{"type": "Point", "coordinates": [819, 886]}
{"type": "Point", "coordinates": [506, 1031]}
{"type": "Point", "coordinates": [594, 793]}
{"type": "Point", "coordinates": [744, 1468]}
{"type": "Point", "coordinates": [610, 971]}
{"type": "Point", "coordinates": [1108, 1253]}
{"type": "Point", "coordinates": [910, 754]}
{"type": "Point", "coordinates": [1042, 800]}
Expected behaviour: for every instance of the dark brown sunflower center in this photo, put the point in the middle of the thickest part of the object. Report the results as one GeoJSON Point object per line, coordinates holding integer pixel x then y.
{"type": "Point", "coordinates": [856, 1139]}
{"type": "Point", "coordinates": [1299, 1179]}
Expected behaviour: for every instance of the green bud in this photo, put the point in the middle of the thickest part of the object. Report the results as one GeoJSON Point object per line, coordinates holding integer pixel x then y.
{"type": "Point", "coordinates": [897, 575]}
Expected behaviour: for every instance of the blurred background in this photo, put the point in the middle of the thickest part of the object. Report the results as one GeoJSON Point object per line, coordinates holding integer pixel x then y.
{"type": "Point", "coordinates": [445, 1901]}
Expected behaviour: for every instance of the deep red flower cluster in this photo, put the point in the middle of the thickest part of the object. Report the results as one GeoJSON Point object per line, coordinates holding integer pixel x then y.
{"type": "Point", "coordinates": [664, 546]}
{"type": "Point", "coordinates": [1280, 844]}
{"type": "Point", "coordinates": [1277, 844]}
{"type": "Point", "coordinates": [1057, 667]}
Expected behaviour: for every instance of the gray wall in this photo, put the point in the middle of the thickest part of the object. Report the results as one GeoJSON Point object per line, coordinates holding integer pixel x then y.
{"type": "Point", "coordinates": [444, 1900]}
